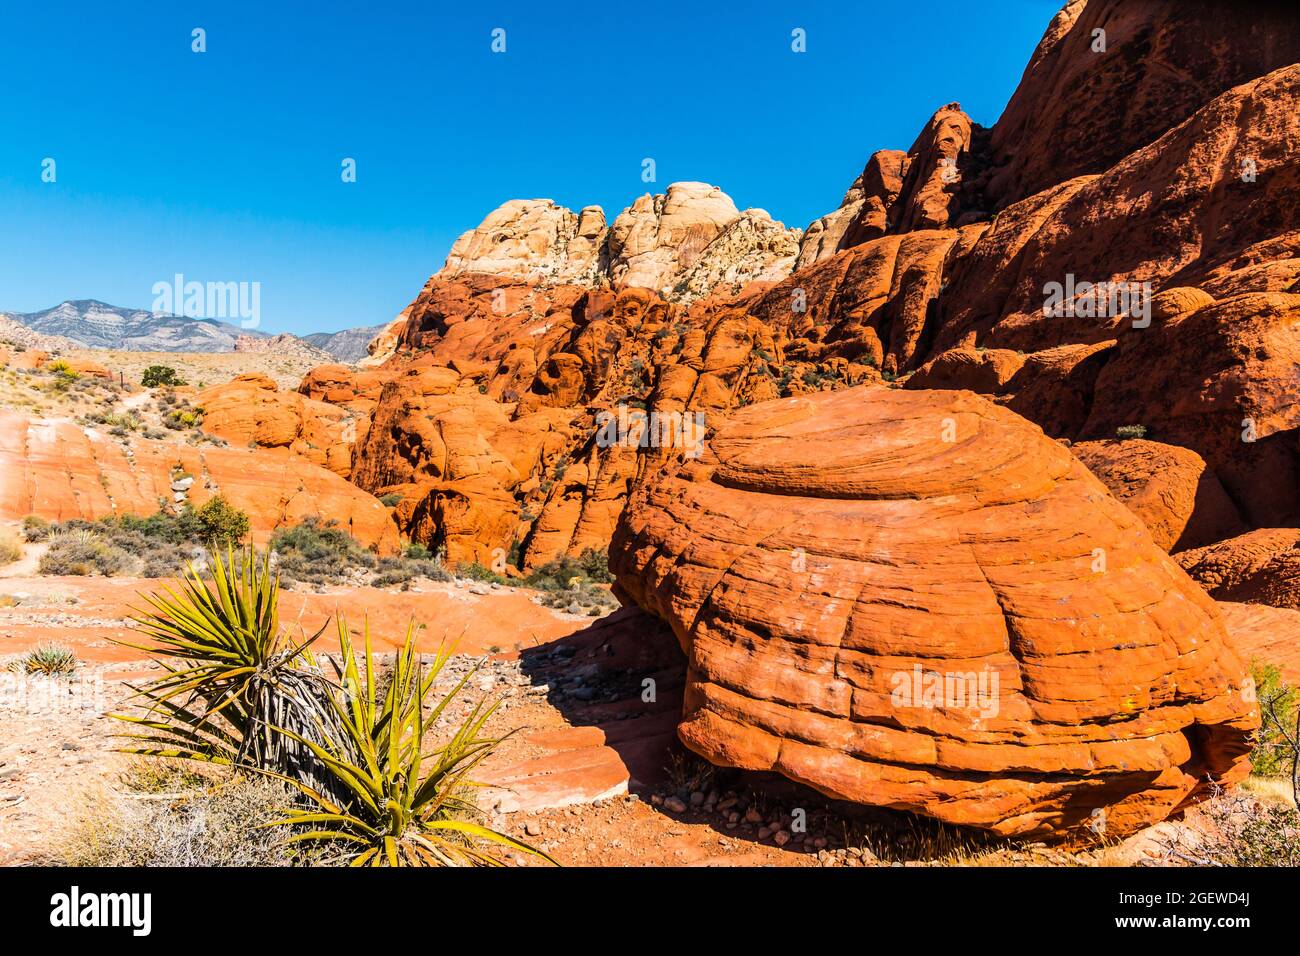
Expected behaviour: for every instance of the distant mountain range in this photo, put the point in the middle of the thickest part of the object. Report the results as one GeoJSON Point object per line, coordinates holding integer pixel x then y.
{"type": "Point", "coordinates": [348, 345]}
{"type": "Point", "coordinates": [95, 324]}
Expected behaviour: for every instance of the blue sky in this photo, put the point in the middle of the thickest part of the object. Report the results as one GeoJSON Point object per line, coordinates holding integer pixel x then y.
{"type": "Point", "coordinates": [225, 165]}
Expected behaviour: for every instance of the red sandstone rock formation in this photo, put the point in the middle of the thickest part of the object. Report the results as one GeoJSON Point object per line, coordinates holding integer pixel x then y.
{"type": "Point", "coordinates": [250, 410]}
{"type": "Point", "coordinates": [829, 552]}
{"type": "Point", "coordinates": [60, 470]}
{"type": "Point", "coordinates": [1262, 567]}
{"type": "Point", "coordinates": [1126, 164]}
{"type": "Point", "coordinates": [1179, 500]}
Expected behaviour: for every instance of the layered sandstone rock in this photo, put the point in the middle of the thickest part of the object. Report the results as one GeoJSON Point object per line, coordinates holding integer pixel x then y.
{"type": "Point", "coordinates": [829, 554]}
{"type": "Point", "coordinates": [59, 471]}
{"type": "Point", "coordinates": [250, 410]}
{"type": "Point", "coordinates": [1086, 101]}
{"type": "Point", "coordinates": [1262, 567]}
{"type": "Point", "coordinates": [1177, 497]}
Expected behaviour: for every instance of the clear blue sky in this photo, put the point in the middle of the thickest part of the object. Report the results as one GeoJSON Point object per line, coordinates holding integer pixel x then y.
{"type": "Point", "coordinates": [225, 166]}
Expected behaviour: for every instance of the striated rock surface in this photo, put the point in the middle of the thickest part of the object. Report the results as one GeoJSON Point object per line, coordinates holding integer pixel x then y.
{"type": "Point", "coordinates": [251, 410]}
{"type": "Point", "coordinates": [1080, 108]}
{"type": "Point", "coordinates": [828, 555]}
{"type": "Point", "coordinates": [1177, 497]}
{"type": "Point", "coordinates": [1262, 567]}
{"type": "Point", "coordinates": [59, 471]}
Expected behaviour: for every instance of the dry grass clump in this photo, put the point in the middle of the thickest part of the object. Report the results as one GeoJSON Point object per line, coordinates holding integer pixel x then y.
{"type": "Point", "coordinates": [10, 549]}
{"type": "Point", "coordinates": [175, 818]}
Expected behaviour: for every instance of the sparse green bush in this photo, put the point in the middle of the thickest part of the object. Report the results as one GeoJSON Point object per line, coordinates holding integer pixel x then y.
{"type": "Point", "coordinates": [182, 417]}
{"type": "Point", "coordinates": [1272, 754]}
{"type": "Point", "coordinates": [154, 546]}
{"type": "Point", "coordinates": [221, 522]}
{"type": "Point", "coordinates": [316, 552]}
{"type": "Point", "coordinates": [35, 528]}
{"type": "Point", "coordinates": [160, 375]}
{"type": "Point", "coordinates": [391, 500]}
{"type": "Point", "coordinates": [1127, 432]}
{"type": "Point", "coordinates": [391, 571]}
{"type": "Point", "coordinates": [477, 572]}
{"type": "Point", "coordinates": [570, 581]}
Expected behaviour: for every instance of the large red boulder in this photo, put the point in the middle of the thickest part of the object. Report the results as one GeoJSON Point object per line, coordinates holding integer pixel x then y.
{"type": "Point", "coordinates": [917, 600]}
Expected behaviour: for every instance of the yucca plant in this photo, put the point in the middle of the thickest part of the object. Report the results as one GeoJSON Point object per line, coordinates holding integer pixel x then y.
{"type": "Point", "coordinates": [52, 660]}
{"type": "Point", "coordinates": [233, 677]}
{"type": "Point", "coordinates": [400, 806]}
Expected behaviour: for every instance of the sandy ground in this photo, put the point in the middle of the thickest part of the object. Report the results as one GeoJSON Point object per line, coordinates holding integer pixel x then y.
{"type": "Point", "coordinates": [590, 772]}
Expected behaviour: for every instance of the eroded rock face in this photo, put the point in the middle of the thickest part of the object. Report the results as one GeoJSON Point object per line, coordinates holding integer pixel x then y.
{"type": "Point", "coordinates": [532, 239]}
{"type": "Point", "coordinates": [829, 552]}
{"type": "Point", "coordinates": [1262, 567]}
{"type": "Point", "coordinates": [1081, 106]}
{"type": "Point", "coordinates": [1177, 497]}
{"type": "Point", "coordinates": [251, 410]}
{"type": "Point", "coordinates": [685, 243]}
{"type": "Point", "coordinates": [61, 471]}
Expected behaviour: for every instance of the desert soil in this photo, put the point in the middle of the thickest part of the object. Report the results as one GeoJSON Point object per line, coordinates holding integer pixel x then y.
{"type": "Point", "coordinates": [592, 773]}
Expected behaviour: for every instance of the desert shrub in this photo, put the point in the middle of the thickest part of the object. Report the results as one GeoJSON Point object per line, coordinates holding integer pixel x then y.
{"type": "Point", "coordinates": [391, 500]}
{"type": "Point", "coordinates": [1127, 432]}
{"type": "Point", "coordinates": [1272, 753]}
{"type": "Point", "coordinates": [10, 550]}
{"type": "Point", "coordinates": [52, 660]}
{"type": "Point", "coordinates": [182, 417]}
{"type": "Point", "coordinates": [390, 571]}
{"type": "Point", "coordinates": [570, 582]}
{"type": "Point", "coordinates": [478, 572]}
{"type": "Point", "coordinates": [84, 553]}
{"type": "Point", "coordinates": [221, 522]}
{"type": "Point", "coordinates": [154, 546]}
{"type": "Point", "coordinates": [1243, 831]}
{"type": "Point", "coordinates": [316, 552]}
{"type": "Point", "coordinates": [123, 421]}
{"type": "Point", "coordinates": [35, 528]}
{"type": "Point", "coordinates": [418, 552]}
{"type": "Point", "coordinates": [160, 375]}
{"type": "Point", "coordinates": [229, 823]}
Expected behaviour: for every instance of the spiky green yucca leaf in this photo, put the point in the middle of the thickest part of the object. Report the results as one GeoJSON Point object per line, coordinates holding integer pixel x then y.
{"type": "Point", "coordinates": [231, 674]}
{"type": "Point", "coordinates": [399, 806]}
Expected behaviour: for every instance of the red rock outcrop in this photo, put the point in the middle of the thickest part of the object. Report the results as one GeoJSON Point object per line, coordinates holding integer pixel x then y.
{"type": "Point", "coordinates": [1179, 500]}
{"type": "Point", "coordinates": [830, 558]}
{"type": "Point", "coordinates": [59, 471]}
{"type": "Point", "coordinates": [1262, 567]}
{"type": "Point", "coordinates": [1086, 101]}
{"type": "Point", "coordinates": [251, 410]}
{"type": "Point", "coordinates": [1167, 160]}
